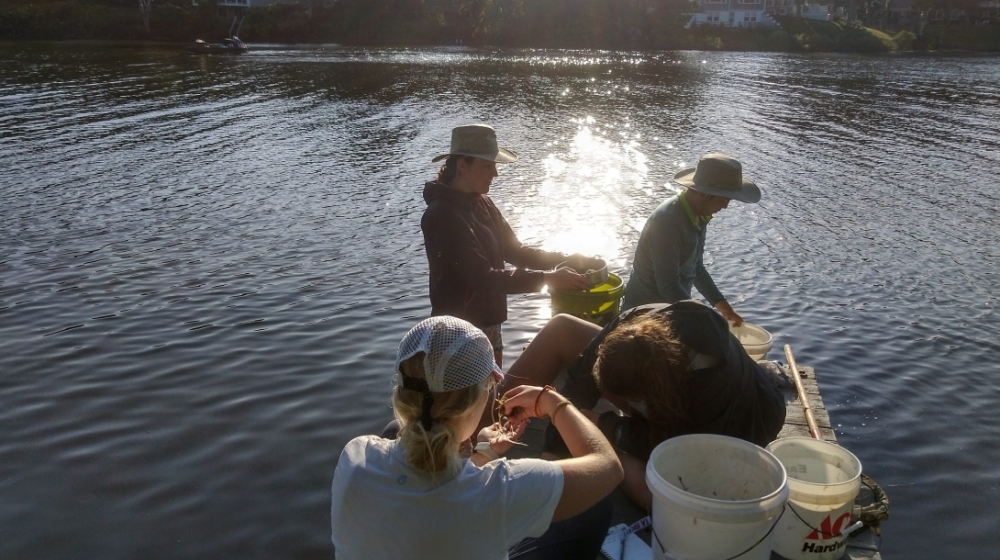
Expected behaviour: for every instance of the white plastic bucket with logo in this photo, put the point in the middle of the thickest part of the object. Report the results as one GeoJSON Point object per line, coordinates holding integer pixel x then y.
{"type": "Point", "coordinates": [823, 481]}
{"type": "Point", "coordinates": [714, 498]}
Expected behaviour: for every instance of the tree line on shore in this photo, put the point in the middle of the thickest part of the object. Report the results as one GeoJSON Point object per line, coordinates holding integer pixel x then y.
{"type": "Point", "coordinates": [607, 24]}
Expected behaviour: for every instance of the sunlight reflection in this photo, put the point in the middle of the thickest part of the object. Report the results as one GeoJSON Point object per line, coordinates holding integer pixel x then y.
{"type": "Point", "coordinates": [582, 202]}
{"type": "Point", "coordinates": [544, 309]}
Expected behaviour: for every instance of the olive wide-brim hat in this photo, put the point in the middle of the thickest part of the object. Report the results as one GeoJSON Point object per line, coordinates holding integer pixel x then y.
{"type": "Point", "coordinates": [480, 141]}
{"type": "Point", "coordinates": [719, 175]}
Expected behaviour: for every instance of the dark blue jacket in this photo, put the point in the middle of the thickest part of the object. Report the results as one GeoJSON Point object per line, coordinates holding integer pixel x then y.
{"type": "Point", "coordinates": [467, 242]}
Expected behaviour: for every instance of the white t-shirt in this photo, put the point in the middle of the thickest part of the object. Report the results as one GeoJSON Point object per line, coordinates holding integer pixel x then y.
{"type": "Point", "coordinates": [384, 508]}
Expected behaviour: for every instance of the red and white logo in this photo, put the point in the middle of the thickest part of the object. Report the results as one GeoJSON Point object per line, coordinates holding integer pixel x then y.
{"type": "Point", "coordinates": [830, 530]}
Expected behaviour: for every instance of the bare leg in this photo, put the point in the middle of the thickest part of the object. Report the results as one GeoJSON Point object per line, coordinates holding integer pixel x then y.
{"type": "Point", "coordinates": [498, 357]}
{"type": "Point", "coordinates": [554, 347]}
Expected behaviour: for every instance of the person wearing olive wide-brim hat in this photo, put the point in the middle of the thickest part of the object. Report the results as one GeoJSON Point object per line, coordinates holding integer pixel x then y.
{"type": "Point", "coordinates": [669, 257]}
{"type": "Point", "coordinates": [468, 240]}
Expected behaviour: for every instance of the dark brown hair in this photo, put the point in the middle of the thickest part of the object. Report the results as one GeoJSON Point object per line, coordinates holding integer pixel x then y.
{"type": "Point", "coordinates": [643, 357]}
{"type": "Point", "coordinates": [447, 172]}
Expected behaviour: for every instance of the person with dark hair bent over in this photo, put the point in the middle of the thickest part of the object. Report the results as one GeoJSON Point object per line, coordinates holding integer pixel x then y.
{"type": "Point", "coordinates": [672, 369]}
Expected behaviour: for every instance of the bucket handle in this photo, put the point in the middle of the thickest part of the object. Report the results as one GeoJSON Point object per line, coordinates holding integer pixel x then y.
{"type": "Point", "coordinates": [843, 532]}
{"type": "Point", "coordinates": [733, 557]}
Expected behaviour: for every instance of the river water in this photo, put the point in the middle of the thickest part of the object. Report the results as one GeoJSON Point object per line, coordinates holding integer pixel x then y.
{"type": "Point", "coordinates": [206, 264]}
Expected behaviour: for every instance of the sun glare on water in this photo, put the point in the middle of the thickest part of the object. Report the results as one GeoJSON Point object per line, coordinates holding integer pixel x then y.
{"type": "Point", "coordinates": [580, 204]}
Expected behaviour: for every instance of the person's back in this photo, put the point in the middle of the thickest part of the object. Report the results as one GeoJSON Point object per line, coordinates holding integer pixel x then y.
{"type": "Point", "coordinates": [458, 287]}
{"type": "Point", "coordinates": [729, 394]}
{"type": "Point", "coordinates": [382, 510]}
{"type": "Point", "coordinates": [667, 258]}
{"type": "Point", "coordinates": [724, 392]}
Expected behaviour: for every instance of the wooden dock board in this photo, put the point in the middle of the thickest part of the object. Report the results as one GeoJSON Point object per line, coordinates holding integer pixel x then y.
{"type": "Point", "coordinates": [862, 547]}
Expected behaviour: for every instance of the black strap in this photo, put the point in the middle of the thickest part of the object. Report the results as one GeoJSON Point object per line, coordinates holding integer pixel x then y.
{"type": "Point", "coordinates": [415, 384]}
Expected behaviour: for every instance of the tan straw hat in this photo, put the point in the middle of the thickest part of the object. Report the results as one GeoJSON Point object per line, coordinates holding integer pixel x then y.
{"type": "Point", "coordinates": [719, 175]}
{"type": "Point", "coordinates": [477, 140]}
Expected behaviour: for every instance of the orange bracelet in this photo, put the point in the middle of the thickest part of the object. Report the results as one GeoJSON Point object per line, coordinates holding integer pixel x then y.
{"type": "Point", "coordinates": [560, 406]}
{"type": "Point", "coordinates": [539, 397]}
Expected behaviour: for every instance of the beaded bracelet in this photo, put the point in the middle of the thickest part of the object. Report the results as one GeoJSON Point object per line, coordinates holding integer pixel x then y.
{"type": "Point", "coordinates": [539, 397]}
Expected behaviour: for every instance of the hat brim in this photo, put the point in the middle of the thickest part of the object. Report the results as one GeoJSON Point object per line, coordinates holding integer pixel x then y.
{"type": "Point", "coordinates": [503, 155]}
{"type": "Point", "coordinates": [749, 191]}
{"type": "Point", "coordinates": [497, 373]}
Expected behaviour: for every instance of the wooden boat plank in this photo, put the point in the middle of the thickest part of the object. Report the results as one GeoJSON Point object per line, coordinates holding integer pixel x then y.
{"type": "Point", "coordinates": [794, 414]}
{"type": "Point", "coordinates": [802, 430]}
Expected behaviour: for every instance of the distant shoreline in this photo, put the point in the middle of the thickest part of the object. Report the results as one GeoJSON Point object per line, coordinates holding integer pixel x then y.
{"type": "Point", "coordinates": [140, 43]}
{"type": "Point", "coordinates": [373, 23]}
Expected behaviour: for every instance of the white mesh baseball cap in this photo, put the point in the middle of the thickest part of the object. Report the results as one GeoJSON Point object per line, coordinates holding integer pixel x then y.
{"type": "Point", "coordinates": [456, 353]}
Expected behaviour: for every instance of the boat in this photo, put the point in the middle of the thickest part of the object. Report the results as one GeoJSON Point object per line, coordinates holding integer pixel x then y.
{"type": "Point", "coordinates": [806, 417]}
{"type": "Point", "coordinates": [863, 544]}
{"type": "Point", "coordinates": [229, 45]}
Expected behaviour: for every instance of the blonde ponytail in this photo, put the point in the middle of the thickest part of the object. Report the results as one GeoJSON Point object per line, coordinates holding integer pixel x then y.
{"type": "Point", "coordinates": [435, 450]}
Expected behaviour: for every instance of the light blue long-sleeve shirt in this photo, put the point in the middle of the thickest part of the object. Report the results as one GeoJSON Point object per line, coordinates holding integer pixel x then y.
{"type": "Point", "coordinates": [669, 258]}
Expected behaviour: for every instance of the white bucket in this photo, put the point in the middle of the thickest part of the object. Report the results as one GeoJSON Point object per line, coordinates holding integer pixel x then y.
{"type": "Point", "coordinates": [755, 340]}
{"type": "Point", "coordinates": [823, 481]}
{"type": "Point", "coordinates": [714, 497]}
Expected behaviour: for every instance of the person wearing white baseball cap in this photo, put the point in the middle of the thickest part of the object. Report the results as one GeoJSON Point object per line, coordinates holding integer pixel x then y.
{"type": "Point", "coordinates": [468, 240]}
{"type": "Point", "coordinates": [417, 497]}
{"type": "Point", "coordinates": [668, 259]}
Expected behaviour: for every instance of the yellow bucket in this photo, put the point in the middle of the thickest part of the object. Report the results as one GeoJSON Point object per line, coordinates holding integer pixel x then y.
{"type": "Point", "coordinates": [598, 305]}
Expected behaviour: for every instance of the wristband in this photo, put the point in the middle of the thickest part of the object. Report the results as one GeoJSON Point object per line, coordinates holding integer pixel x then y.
{"type": "Point", "coordinates": [539, 397]}
{"type": "Point", "coordinates": [560, 406]}
{"type": "Point", "coordinates": [484, 448]}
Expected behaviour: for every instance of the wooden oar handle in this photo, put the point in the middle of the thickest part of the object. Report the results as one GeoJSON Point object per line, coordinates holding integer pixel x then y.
{"type": "Point", "coordinates": [810, 419]}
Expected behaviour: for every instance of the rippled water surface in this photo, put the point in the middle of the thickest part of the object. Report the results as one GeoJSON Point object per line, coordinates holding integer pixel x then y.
{"type": "Point", "coordinates": [206, 264]}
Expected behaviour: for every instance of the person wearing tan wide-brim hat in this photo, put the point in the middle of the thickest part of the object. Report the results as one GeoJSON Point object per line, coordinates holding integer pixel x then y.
{"type": "Point", "coordinates": [669, 256]}
{"type": "Point", "coordinates": [478, 141]}
{"type": "Point", "coordinates": [468, 240]}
